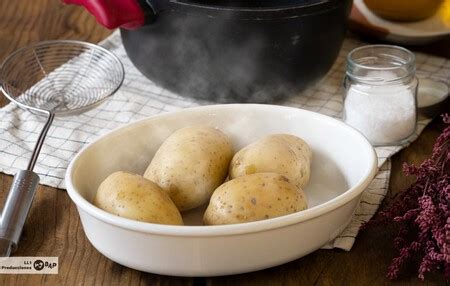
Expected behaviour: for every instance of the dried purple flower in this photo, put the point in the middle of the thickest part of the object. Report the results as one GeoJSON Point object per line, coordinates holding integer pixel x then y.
{"type": "Point", "coordinates": [422, 213]}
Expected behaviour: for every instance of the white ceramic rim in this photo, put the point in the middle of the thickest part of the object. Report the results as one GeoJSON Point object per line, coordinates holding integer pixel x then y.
{"type": "Point", "coordinates": [395, 28]}
{"type": "Point", "coordinates": [232, 229]}
{"type": "Point", "coordinates": [437, 85]}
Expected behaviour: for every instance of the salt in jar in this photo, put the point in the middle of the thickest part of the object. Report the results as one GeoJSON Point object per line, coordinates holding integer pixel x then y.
{"type": "Point", "coordinates": [381, 90]}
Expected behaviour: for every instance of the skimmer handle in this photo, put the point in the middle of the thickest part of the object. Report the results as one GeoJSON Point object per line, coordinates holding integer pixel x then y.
{"type": "Point", "coordinates": [16, 209]}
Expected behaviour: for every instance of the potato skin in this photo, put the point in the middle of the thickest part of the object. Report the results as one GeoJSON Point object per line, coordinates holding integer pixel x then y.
{"type": "Point", "coordinates": [190, 164]}
{"type": "Point", "coordinates": [254, 197]}
{"type": "Point", "coordinates": [131, 196]}
{"type": "Point", "coordinates": [284, 154]}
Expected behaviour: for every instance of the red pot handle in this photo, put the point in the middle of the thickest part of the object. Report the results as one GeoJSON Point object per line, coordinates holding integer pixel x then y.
{"type": "Point", "coordinates": [112, 14]}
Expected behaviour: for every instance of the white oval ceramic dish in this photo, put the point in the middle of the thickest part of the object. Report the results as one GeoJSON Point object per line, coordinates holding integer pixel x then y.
{"type": "Point", "coordinates": [344, 164]}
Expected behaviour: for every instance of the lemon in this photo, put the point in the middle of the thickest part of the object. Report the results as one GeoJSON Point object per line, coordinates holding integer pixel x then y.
{"type": "Point", "coordinates": [404, 10]}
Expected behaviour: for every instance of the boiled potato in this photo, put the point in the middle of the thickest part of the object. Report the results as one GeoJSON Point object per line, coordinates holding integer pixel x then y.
{"type": "Point", "coordinates": [131, 196]}
{"type": "Point", "coordinates": [190, 164]}
{"type": "Point", "coordinates": [284, 154]}
{"type": "Point", "coordinates": [254, 197]}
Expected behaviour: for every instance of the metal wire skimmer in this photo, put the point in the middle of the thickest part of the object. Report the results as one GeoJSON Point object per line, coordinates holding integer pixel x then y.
{"type": "Point", "coordinates": [51, 78]}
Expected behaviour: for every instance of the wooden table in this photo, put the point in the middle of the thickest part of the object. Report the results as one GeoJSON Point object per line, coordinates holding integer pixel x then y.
{"type": "Point", "coordinates": [54, 229]}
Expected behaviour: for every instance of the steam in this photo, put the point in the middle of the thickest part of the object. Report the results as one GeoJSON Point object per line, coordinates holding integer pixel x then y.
{"type": "Point", "coordinates": [202, 57]}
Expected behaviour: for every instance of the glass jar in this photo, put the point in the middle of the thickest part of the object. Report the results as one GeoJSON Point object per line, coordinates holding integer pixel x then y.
{"type": "Point", "coordinates": [381, 93]}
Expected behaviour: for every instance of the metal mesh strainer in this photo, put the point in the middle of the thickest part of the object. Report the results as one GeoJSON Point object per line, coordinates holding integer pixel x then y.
{"type": "Point", "coordinates": [51, 78]}
{"type": "Point", "coordinates": [63, 77]}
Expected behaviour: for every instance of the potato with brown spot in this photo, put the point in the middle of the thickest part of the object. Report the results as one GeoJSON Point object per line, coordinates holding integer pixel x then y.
{"type": "Point", "coordinates": [284, 154]}
{"type": "Point", "coordinates": [254, 197]}
{"type": "Point", "coordinates": [190, 164]}
{"type": "Point", "coordinates": [131, 196]}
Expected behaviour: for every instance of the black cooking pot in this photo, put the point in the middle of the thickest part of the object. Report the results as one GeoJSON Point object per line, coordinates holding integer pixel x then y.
{"type": "Point", "coordinates": [241, 51]}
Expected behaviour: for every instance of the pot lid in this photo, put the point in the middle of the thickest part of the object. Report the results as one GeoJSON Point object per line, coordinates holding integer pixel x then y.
{"type": "Point", "coordinates": [254, 9]}
{"type": "Point", "coordinates": [256, 3]}
{"type": "Point", "coordinates": [131, 14]}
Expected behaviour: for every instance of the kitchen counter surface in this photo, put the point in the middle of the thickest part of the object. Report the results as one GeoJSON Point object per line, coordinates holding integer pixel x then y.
{"type": "Point", "coordinates": [54, 229]}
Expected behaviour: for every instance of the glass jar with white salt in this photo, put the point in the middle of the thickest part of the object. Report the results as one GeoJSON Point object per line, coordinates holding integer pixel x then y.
{"type": "Point", "coordinates": [381, 90]}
